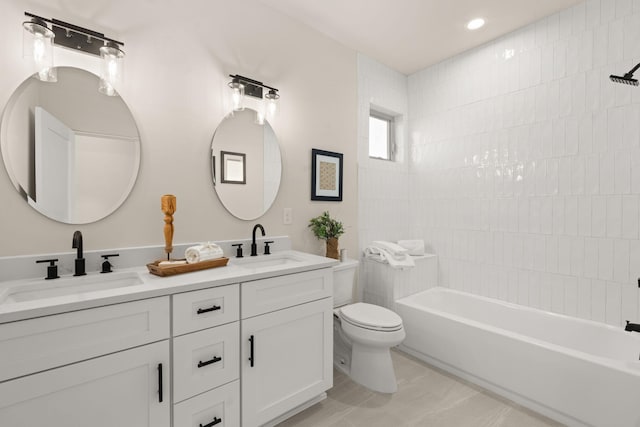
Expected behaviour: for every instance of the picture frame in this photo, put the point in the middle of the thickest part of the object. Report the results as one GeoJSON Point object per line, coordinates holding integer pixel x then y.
{"type": "Point", "coordinates": [233, 167]}
{"type": "Point", "coordinates": [326, 175]}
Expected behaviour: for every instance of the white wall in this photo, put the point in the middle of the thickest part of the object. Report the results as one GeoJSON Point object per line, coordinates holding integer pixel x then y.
{"type": "Point", "coordinates": [527, 160]}
{"type": "Point", "coordinates": [176, 71]}
{"type": "Point", "coordinates": [383, 186]}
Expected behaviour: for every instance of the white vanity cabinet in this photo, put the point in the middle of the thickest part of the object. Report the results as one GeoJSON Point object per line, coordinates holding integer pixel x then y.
{"type": "Point", "coordinates": [206, 360]}
{"type": "Point", "coordinates": [104, 367]}
{"type": "Point", "coordinates": [286, 344]}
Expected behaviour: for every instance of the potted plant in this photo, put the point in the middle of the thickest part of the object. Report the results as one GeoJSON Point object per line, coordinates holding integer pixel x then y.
{"type": "Point", "coordinates": [328, 229]}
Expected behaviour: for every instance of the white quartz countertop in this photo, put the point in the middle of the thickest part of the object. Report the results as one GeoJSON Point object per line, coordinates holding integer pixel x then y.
{"type": "Point", "coordinates": [236, 271]}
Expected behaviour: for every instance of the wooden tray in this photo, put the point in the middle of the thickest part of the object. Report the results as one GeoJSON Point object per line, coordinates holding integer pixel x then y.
{"type": "Point", "coordinates": [170, 270]}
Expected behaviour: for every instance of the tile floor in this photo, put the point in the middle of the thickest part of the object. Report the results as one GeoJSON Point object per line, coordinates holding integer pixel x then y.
{"type": "Point", "coordinates": [426, 397]}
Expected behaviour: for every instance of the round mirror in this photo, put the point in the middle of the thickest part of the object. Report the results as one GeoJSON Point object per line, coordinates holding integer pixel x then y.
{"type": "Point", "coordinates": [71, 152]}
{"type": "Point", "coordinates": [245, 164]}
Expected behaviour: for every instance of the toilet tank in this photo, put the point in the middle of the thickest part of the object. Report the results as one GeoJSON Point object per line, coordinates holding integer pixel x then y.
{"type": "Point", "coordinates": [344, 282]}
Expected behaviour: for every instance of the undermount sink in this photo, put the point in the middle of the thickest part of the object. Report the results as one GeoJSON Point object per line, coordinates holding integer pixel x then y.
{"type": "Point", "coordinates": [42, 289]}
{"type": "Point", "coordinates": [267, 261]}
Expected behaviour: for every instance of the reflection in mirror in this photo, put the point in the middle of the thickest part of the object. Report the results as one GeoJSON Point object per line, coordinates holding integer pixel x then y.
{"type": "Point", "coordinates": [244, 152]}
{"type": "Point", "coordinates": [71, 152]}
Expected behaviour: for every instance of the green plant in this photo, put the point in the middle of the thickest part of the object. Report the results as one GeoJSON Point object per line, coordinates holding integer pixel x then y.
{"type": "Point", "coordinates": [324, 227]}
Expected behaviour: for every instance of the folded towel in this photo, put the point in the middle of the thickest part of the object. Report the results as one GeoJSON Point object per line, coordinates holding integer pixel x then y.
{"type": "Point", "coordinates": [203, 252]}
{"type": "Point", "coordinates": [391, 248]}
{"type": "Point", "coordinates": [414, 247]}
{"type": "Point", "coordinates": [387, 252]}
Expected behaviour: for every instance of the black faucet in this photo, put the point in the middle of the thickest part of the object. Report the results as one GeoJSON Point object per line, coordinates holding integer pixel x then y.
{"type": "Point", "coordinates": [77, 244]}
{"type": "Point", "coordinates": [632, 327]}
{"type": "Point", "coordinates": [254, 247]}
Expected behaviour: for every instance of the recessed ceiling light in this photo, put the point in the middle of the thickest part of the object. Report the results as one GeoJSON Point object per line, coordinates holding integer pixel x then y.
{"type": "Point", "coordinates": [476, 23]}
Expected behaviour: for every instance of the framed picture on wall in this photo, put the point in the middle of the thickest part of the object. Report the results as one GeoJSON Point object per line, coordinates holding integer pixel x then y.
{"type": "Point", "coordinates": [233, 167]}
{"type": "Point", "coordinates": [326, 176]}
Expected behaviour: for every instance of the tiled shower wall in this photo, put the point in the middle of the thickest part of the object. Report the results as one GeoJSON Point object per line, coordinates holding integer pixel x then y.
{"type": "Point", "coordinates": [383, 186]}
{"type": "Point", "coordinates": [526, 164]}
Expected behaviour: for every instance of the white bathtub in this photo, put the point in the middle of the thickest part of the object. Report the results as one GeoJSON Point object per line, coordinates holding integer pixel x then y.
{"type": "Point", "coordinates": [575, 371]}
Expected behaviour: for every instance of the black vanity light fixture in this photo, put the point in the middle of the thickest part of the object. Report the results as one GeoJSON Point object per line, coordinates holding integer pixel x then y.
{"type": "Point", "coordinates": [41, 34]}
{"type": "Point", "coordinates": [243, 86]}
{"type": "Point", "coordinates": [627, 78]}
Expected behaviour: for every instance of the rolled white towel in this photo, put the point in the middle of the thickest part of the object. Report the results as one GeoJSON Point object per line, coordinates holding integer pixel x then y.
{"type": "Point", "coordinates": [203, 252]}
{"type": "Point", "coordinates": [415, 247]}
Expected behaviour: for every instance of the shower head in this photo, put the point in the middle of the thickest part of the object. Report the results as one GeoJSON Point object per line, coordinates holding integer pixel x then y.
{"type": "Point", "coordinates": [627, 78]}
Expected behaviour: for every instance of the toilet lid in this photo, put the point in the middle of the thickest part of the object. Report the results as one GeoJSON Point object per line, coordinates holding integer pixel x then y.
{"type": "Point", "coordinates": [371, 317]}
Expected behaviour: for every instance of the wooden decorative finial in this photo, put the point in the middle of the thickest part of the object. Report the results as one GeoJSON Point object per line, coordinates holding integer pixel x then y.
{"type": "Point", "coordinates": [168, 204]}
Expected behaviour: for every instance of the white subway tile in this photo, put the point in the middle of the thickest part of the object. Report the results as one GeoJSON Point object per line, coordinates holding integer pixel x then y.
{"type": "Point", "coordinates": [591, 258]}
{"type": "Point", "coordinates": [614, 216]}
{"type": "Point", "coordinates": [631, 123]}
{"type": "Point", "coordinates": [635, 170]}
{"type": "Point", "coordinates": [605, 259]}
{"type": "Point", "coordinates": [607, 10]}
{"type": "Point", "coordinates": [600, 46]}
{"type": "Point", "coordinates": [607, 173]}
{"type": "Point", "coordinates": [564, 255]}
{"type": "Point", "coordinates": [552, 185]}
{"type": "Point", "coordinates": [564, 176]}
{"type": "Point", "coordinates": [534, 289]}
{"type": "Point", "coordinates": [598, 300]}
{"type": "Point", "coordinates": [572, 136]}
{"type": "Point", "coordinates": [571, 216]}
{"type": "Point", "coordinates": [539, 257]}
{"type": "Point", "coordinates": [557, 294]}
{"type": "Point", "coordinates": [621, 261]}
{"type": "Point", "coordinates": [546, 292]}
{"type": "Point", "coordinates": [577, 256]}
{"type": "Point", "coordinates": [586, 133]}
{"type": "Point", "coordinates": [622, 172]}
{"type": "Point", "coordinates": [584, 215]}
{"type": "Point", "coordinates": [630, 217]}
{"type": "Point", "coordinates": [584, 298]}
{"type": "Point", "coordinates": [613, 304]}
{"type": "Point", "coordinates": [551, 246]}
{"type": "Point", "coordinates": [546, 215]}
{"type": "Point", "coordinates": [577, 175]}
{"type": "Point", "coordinates": [592, 13]}
{"type": "Point", "coordinates": [534, 215]}
{"type": "Point", "coordinates": [599, 216]}
{"type": "Point", "coordinates": [523, 287]}
{"type": "Point", "coordinates": [615, 52]}
{"type": "Point", "coordinates": [558, 216]}
{"type": "Point", "coordinates": [592, 174]}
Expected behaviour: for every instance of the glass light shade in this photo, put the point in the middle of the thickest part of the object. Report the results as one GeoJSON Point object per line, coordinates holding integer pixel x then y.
{"type": "Point", "coordinates": [237, 95]}
{"type": "Point", "coordinates": [260, 112]}
{"type": "Point", "coordinates": [111, 69]}
{"type": "Point", "coordinates": [272, 98]}
{"type": "Point", "coordinates": [37, 45]}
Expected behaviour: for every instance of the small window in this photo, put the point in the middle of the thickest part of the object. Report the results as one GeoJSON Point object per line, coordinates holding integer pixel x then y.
{"type": "Point", "coordinates": [381, 144]}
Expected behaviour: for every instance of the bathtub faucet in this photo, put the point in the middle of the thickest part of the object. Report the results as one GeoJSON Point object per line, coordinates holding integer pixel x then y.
{"type": "Point", "coordinates": [632, 327]}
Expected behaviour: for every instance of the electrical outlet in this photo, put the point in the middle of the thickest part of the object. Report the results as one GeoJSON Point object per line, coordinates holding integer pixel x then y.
{"type": "Point", "coordinates": [287, 216]}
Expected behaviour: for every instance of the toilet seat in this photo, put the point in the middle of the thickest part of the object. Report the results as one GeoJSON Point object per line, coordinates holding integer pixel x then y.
{"type": "Point", "coordinates": [372, 317]}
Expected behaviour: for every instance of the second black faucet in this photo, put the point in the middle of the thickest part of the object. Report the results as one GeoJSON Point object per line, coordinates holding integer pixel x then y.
{"type": "Point", "coordinates": [77, 244]}
{"type": "Point", "coordinates": [254, 247]}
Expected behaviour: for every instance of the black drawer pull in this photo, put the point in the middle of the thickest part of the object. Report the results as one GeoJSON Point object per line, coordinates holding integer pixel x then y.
{"type": "Point", "coordinates": [251, 355]}
{"type": "Point", "coordinates": [215, 421]}
{"type": "Point", "coordinates": [209, 362]}
{"type": "Point", "coordinates": [160, 397]}
{"type": "Point", "coordinates": [207, 310]}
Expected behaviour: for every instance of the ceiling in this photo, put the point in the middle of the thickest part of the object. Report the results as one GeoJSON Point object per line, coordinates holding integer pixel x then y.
{"type": "Point", "coordinates": [409, 35]}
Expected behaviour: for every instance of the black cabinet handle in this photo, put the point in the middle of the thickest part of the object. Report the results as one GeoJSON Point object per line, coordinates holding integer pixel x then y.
{"type": "Point", "coordinates": [207, 310]}
{"type": "Point", "coordinates": [160, 383]}
{"type": "Point", "coordinates": [215, 421]}
{"type": "Point", "coordinates": [251, 356]}
{"type": "Point", "coordinates": [209, 362]}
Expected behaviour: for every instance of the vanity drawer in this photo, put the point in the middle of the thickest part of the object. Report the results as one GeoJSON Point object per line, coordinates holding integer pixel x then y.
{"type": "Point", "coordinates": [193, 311]}
{"type": "Point", "coordinates": [204, 360]}
{"type": "Point", "coordinates": [266, 295]}
{"type": "Point", "coordinates": [34, 345]}
{"type": "Point", "coordinates": [222, 403]}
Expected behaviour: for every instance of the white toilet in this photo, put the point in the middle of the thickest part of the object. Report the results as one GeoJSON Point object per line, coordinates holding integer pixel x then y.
{"type": "Point", "coordinates": [363, 334]}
